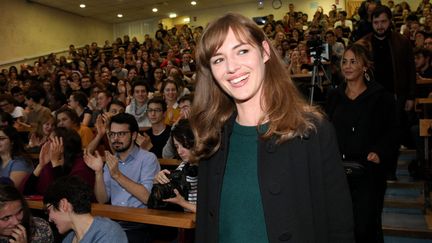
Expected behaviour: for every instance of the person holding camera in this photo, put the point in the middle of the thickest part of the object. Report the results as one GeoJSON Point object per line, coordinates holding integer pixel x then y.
{"type": "Point", "coordinates": [183, 140]}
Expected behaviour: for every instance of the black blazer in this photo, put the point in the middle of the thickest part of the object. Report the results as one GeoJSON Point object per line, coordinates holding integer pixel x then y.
{"type": "Point", "coordinates": [304, 190]}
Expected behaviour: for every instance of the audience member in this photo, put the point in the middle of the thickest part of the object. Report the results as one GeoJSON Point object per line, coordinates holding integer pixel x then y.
{"type": "Point", "coordinates": [68, 204]}
{"type": "Point", "coordinates": [68, 118]}
{"type": "Point", "coordinates": [17, 225]}
{"type": "Point", "coordinates": [7, 104]}
{"type": "Point", "coordinates": [170, 91]}
{"type": "Point", "coordinates": [126, 178]}
{"type": "Point", "coordinates": [159, 132]}
{"type": "Point", "coordinates": [14, 164]}
{"type": "Point", "coordinates": [61, 155]}
{"type": "Point", "coordinates": [34, 110]}
{"type": "Point", "coordinates": [183, 140]}
{"type": "Point", "coordinates": [138, 105]}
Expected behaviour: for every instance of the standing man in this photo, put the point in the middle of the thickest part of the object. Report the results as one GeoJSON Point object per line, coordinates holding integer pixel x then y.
{"type": "Point", "coordinates": [126, 179]}
{"type": "Point", "coordinates": [394, 69]}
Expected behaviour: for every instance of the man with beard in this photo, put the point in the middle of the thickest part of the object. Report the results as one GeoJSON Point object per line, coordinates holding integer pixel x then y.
{"type": "Point", "coordinates": [394, 68]}
{"type": "Point", "coordinates": [126, 179]}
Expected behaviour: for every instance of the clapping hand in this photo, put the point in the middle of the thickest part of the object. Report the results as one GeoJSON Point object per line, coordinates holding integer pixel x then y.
{"type": "Point", "coordinates": [112, 162]}
{"type": "Point", "coordinates": [95, 162]}
{"type": "Point", "coordinates": [56, 151]}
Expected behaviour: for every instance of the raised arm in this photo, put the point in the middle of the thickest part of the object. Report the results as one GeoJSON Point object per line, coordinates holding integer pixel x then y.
{"type": "Point", "coordinates": [95, 162]}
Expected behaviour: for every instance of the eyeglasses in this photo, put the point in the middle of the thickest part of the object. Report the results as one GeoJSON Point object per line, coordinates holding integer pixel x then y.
{"type": "Point", "coordinates": [118, 134]}
{"type": "Point", "coordinates": [154, 110]}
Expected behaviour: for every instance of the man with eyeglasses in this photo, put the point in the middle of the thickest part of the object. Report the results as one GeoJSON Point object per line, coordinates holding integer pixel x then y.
{"type": "Point", "coordinates": [126, 179]}
{"type": "Point", "coordinates": [159, 133]}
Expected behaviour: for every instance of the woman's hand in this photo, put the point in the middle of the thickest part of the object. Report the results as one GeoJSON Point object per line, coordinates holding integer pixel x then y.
{"type": "Point", "coordinates": [178, 199]}
{"type": "Point", "coordinates": [56, 151]}
{"type": "Point", "coordinates": [101, 124]}
{"type": "Point", "coordinates": [34, 141]}
{"type": "Point", "coordinates": [19, 235]}
{"type": "Point", "coordinates": [44, 154]}
{"type": "Point", "coordinates": [161, 177]}
{"type": "Point", "coordinates": [373, 157]}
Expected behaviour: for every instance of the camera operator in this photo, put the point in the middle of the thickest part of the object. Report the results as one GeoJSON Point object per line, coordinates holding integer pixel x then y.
{"type": "Point", "coordinates": [336, 49]}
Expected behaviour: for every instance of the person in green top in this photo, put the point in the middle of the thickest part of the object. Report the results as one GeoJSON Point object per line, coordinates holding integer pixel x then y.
{"type": "Point", "coordinates": [269, 165]}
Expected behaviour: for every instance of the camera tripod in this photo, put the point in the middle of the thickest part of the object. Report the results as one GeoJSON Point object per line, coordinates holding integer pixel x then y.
{"type": "Point", "coordinates": [317, 79]}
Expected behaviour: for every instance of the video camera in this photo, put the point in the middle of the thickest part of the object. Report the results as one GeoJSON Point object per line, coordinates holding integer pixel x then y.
{"type": "Point", "coordinates": [318, 49]}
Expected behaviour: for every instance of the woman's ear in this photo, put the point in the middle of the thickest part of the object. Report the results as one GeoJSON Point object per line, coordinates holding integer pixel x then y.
{"type": "Point", "coordinates": [266, 52]}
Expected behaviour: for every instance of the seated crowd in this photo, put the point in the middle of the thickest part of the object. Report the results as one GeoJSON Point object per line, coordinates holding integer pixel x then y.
{"type": "Point", "coordinates": [103, 116]}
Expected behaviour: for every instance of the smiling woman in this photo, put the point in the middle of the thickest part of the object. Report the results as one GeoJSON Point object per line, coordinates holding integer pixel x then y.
{"type": "Point", "coordinates": [257, 140]}
{"type": "Point", "coordinates": [16, 222]}
{"type": "Point", "coordinates": [363, 114]}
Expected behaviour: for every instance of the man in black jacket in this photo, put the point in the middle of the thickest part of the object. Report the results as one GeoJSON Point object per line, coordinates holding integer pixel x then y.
{"type": "Point", "coordinates": [394, 69]}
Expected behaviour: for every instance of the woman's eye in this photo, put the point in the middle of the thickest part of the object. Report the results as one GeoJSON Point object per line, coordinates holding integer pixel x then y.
{"type": "Point", "coordinates": [241, 52]}
{"type": "Point", "coordinates": [217, 60]}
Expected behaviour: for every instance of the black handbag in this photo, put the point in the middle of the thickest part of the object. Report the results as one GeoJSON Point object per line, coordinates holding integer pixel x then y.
{"type": "Point", "coordinates": [354, 168]}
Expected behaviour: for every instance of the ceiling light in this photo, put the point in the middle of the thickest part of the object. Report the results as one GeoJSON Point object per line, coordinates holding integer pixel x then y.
{"type": "Point", "coordinates": [194, 3]}
{"type": "Point", "coordinates": [82, 5]}
{"type": "Point", "coordinates": [172, 15]}
{"type": "Point", "coordinates": [154, 10]}
{"type": "Point", "coordinates": [120, 15]}
{"type": "Point", "coordinates": [186, 20]}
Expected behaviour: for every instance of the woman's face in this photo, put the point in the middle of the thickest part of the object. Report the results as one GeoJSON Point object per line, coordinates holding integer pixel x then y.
{"type": "Point", "coordinates": [352, 67]}
{"type": "Point", "coordinates": [183, 152]}
{"type": "Point", "coordinates": [132, 74]}
{"type": "Point", "coordinates": [48, 127]}
{"type": "Point", "coordinates": [158, 74]}
{"type": "Point", "coordinates": [5, 143]}
{"type": "Point", "coordinates": [63, 82]}
{"type": "Point", "coordinates": [170, 92]}
{"type": "Point", "coordinates": [239, 69]}
{"type": "Point", "coordinates": [47, 86]}
{"type": "Point", "coordinates": [72, 102]}
{"type": "Point", "coordinates": [11, 215]}
{"type": "Point", "coordinates": [146, 66]}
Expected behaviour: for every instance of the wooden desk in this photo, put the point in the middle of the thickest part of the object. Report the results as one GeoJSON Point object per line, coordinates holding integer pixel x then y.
{"type": "Point", "coordinates": [180, 220]}
{"type": "Point", "coordinates": [169, 162]}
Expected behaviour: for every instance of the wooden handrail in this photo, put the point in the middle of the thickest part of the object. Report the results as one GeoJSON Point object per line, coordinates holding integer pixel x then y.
{"type": "Point", "coordinates": [181, 220]}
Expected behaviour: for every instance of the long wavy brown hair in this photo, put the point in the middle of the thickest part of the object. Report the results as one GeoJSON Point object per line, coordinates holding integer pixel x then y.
{"type": "Point", "coordinates": [286, 112]}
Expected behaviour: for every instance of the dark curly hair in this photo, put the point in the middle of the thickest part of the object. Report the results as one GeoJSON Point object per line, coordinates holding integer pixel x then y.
{"type": "Point", "coordinates": [72, 188]}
